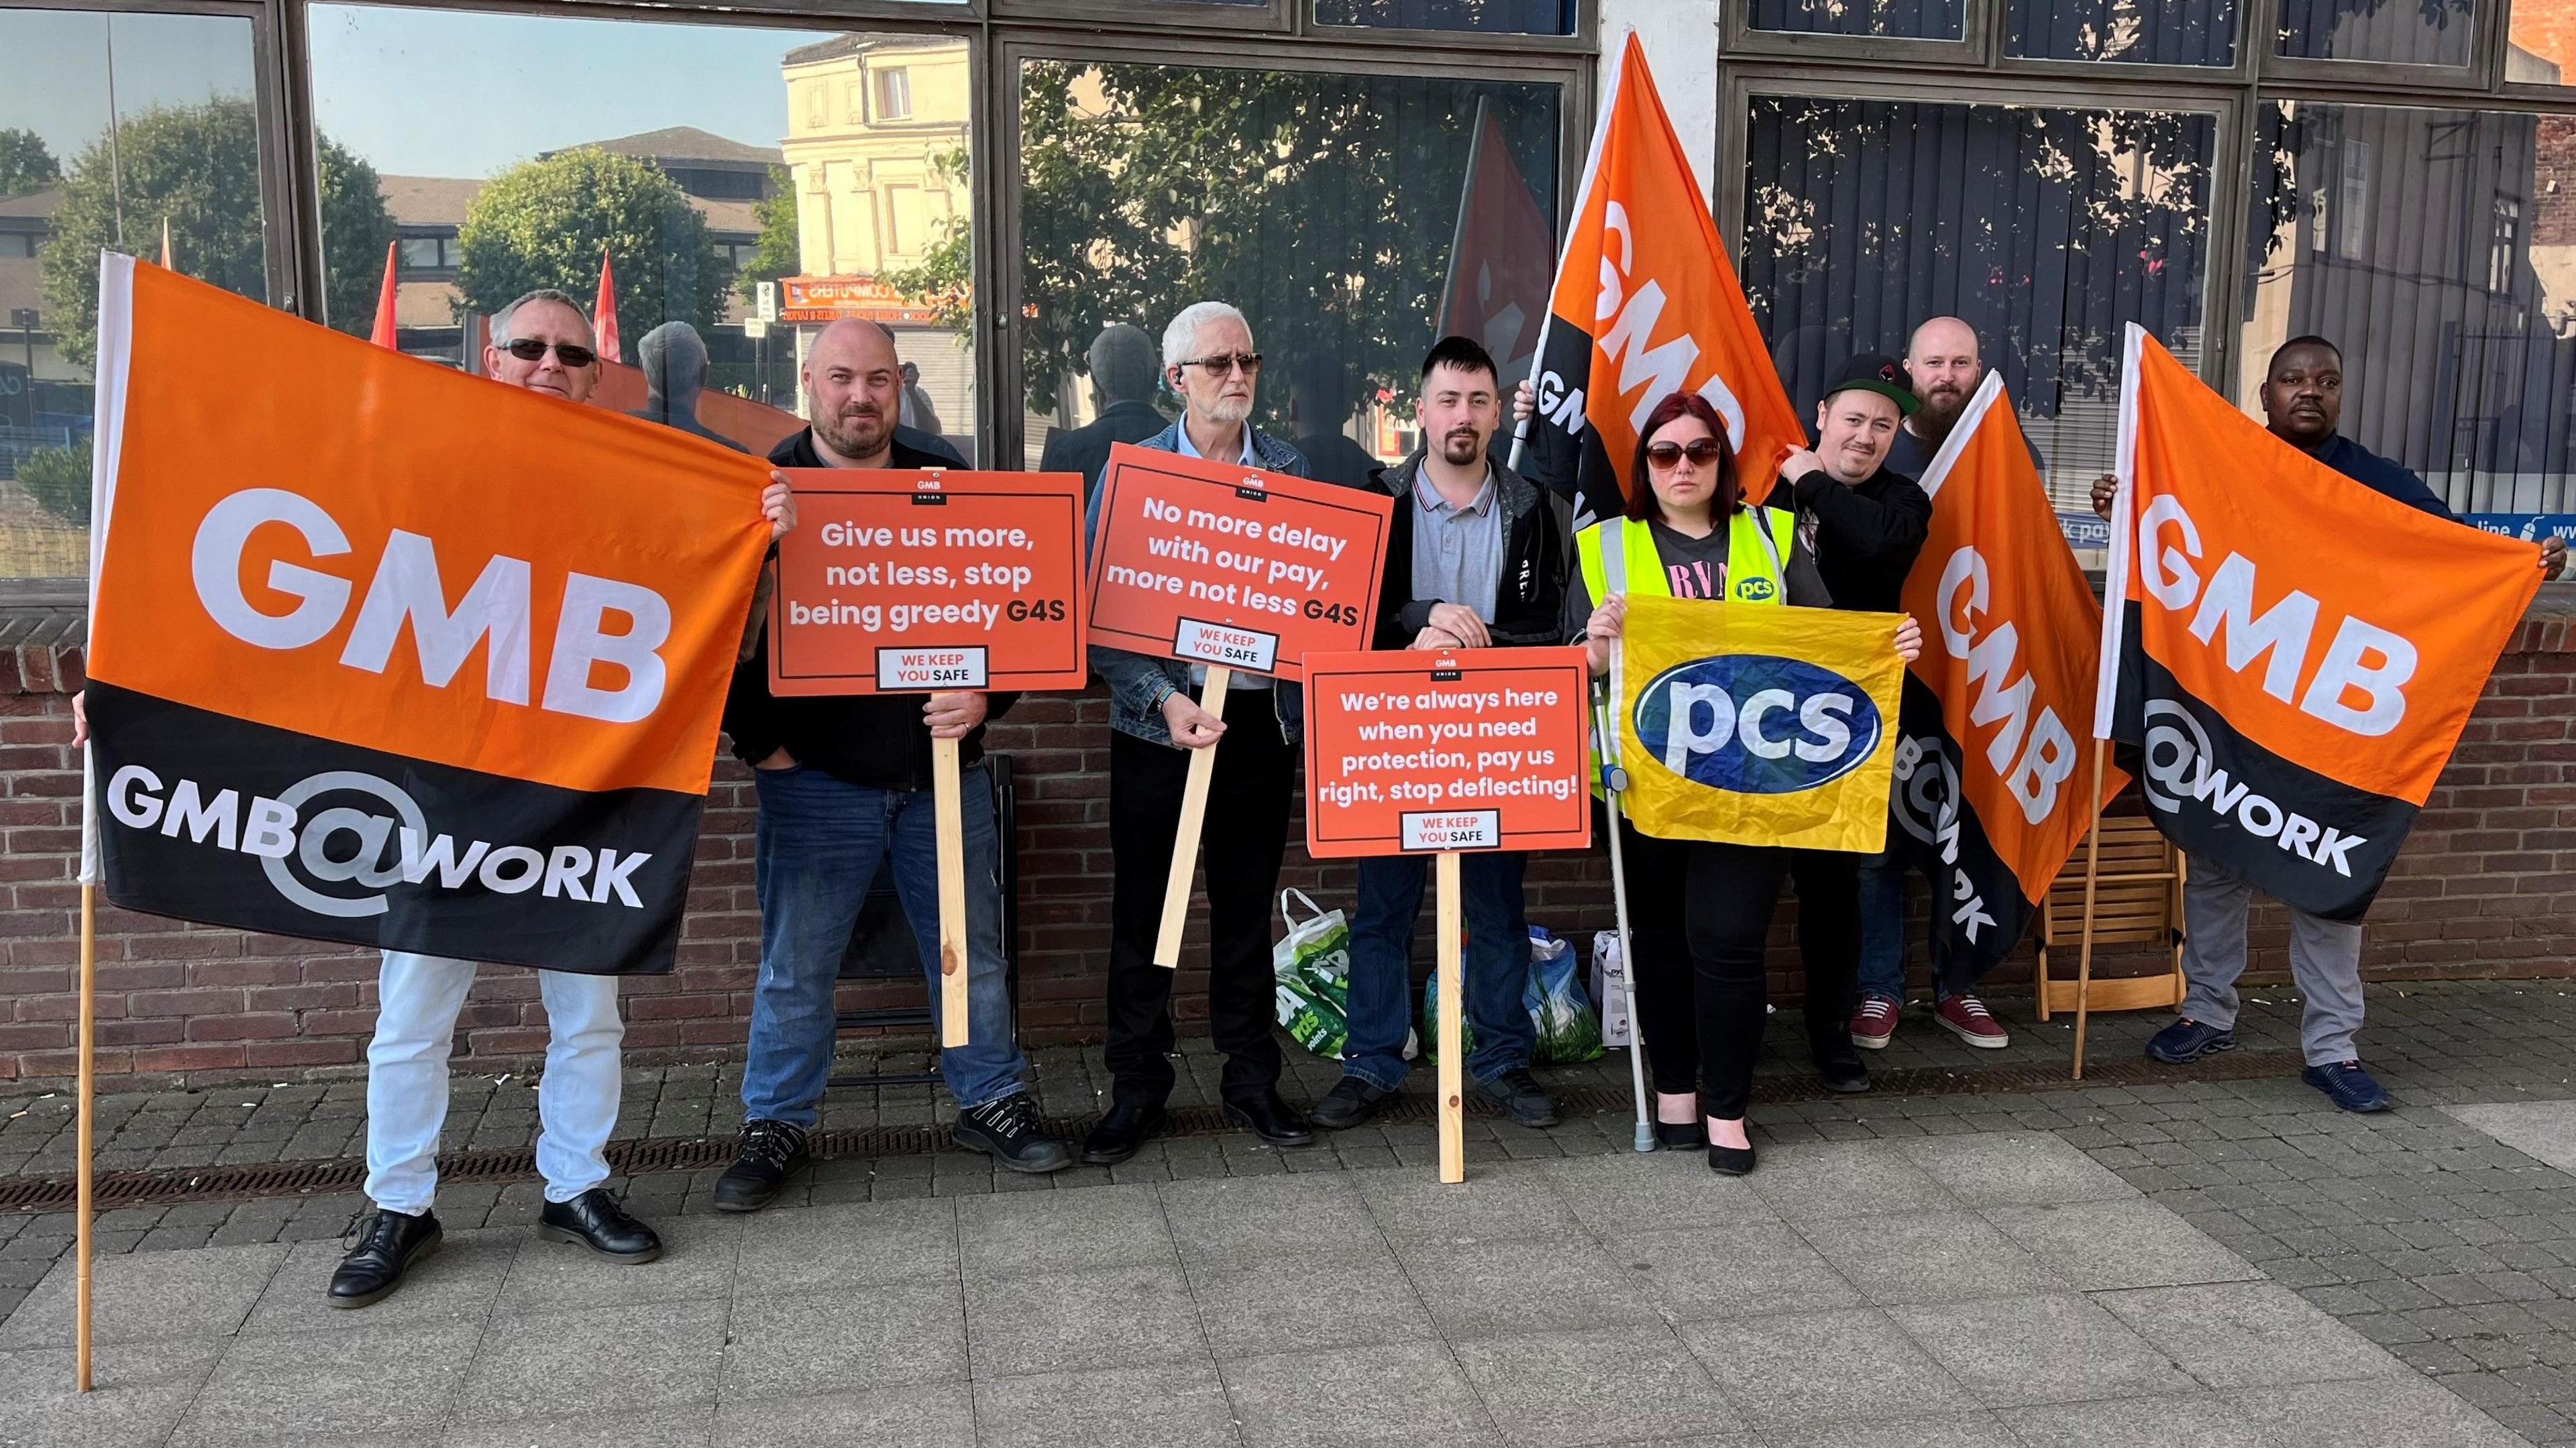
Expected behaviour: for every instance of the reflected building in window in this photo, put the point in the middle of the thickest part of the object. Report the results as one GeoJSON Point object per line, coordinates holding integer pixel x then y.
{"type": "Point", "coordinates": [877, 153]}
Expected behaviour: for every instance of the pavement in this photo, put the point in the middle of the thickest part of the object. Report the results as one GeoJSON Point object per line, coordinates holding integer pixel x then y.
{"type": "Point", "coordinates": [1998, 1258]}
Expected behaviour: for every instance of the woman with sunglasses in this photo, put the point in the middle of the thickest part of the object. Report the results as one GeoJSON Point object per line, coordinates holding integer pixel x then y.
{"type": "Point", "coordinates": [1699, 912]}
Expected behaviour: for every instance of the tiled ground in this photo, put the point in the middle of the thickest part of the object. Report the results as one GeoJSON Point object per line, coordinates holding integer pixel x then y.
{"type": "Point", "coordinates": [1980, 1289]}
{"type": "Point", "coordinates": [2419, 1229]}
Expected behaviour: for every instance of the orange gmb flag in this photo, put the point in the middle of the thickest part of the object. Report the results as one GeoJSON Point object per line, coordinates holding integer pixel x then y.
{"type": "Point", "coordinates": [1645, 306]}
{"type": "Point", "coordinates": [1990, 782]}
{"type": "Point", "coordinates": [2293, 651]}
{"type": "Point", "coordinates": [387, 654]}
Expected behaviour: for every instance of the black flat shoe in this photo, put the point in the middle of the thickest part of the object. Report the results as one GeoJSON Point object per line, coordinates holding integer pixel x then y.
{"type": "Point", "coordinates": [595, 1220]}
{"type": "Point", "coordinates": [1680, 1135]}
{"type": "Point", "coordinates": [770, 1153]}
{"type": "Point", "coordinates": [1734, 1161]}
{"type": "Point", "coordinates": [1271, 1118]}
{"type": "Point", "coordinates": [1121, 1132]}
{"type": "Point", "coordinates": [1838, 1064]}
{"type": "Point", "coordinates": [1350, 1102]}
{"type": "Point", "coordinates": [386, 1249]}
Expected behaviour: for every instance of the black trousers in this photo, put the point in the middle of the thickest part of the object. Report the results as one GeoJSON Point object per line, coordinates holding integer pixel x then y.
{"type": "Point", "coordinates": [1699, 919]}
{"type": "Point", "coordinates": [1245, 834]}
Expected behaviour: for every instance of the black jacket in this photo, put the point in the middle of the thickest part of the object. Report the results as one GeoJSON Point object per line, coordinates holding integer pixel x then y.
{"type": "Point", "coordinates": [876, 740]}
{"type": "Point", "coordinates": [1085, 449]}
{"type": "Point", "coordinates": [1867, 534]}
{"type": "Point", "coordinates": [1528, 593]}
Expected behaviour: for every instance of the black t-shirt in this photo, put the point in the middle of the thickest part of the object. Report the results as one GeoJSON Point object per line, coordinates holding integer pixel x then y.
{"type": "Point", "coordinates": [1867, 534]}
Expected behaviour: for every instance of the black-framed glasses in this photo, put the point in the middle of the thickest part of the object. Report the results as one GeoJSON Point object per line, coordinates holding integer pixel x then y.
{"type": "Point", "coordinates": [529, 349]}
{"type": "Point", "coordinates": [1702, 451]}
{"type": "Point", "coordinates": [1218, 364]}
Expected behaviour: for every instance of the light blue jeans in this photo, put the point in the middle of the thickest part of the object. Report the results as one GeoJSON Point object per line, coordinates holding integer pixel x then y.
{"type": "Point", "coordinates": [820, 841]}
{"type": "Point", "coordinates": [418, 997]}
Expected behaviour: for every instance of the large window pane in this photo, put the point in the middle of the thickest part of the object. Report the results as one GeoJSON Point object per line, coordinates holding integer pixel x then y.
{"type": "Point", "coordinates": [1521, 17]}
{"type": "Point", "coordinates": [1890, 19]}
{"type": "Point", "coordinates": [2046, 230]}
{"type": "Point", "coordinates": [113, 128]}
{"type": "Point", "coordinates": [2158, 32]}
{"type": "Point", "coordinates": [832, 167]}
{"type": "Point", "coordinates": [2407, 32]}
{"type": "Point", "coordinates": [2435, 248]}
{"type": "Point", "coordinates": [1352, 218]}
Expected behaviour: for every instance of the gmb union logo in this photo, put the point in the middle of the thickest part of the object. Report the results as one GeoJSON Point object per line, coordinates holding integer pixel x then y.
{"type": "Point", "coordinates": [1757, 723]}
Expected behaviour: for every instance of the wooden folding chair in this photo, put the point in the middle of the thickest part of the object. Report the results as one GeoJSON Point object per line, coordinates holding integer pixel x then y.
{"type": "Point", "coordinates": [2137, 900]}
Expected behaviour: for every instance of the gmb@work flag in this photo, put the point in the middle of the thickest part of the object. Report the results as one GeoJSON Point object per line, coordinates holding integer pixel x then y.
{"type": "Point", "coordinates": [2295, 652]}
{"type": "Point", "coordinates": [1756, 725]}
{"type": "Point", "coordinates": [1990, 781]}
{"type": "Point", "coordinates": [1646, 305]}
{"type": "Point", "coordinates": [386, 654]}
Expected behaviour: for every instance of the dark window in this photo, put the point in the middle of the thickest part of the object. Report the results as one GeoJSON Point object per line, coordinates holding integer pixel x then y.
{"type": "Point", "coordinates": [1517, 17]}
{"type": "Point", "coordinates": [1889, 19]}
{"type": "Point", "coordinates": [2046, 230]}
{"type": "Point", "coordinates": [2138, 32]}
{"type": "Point", "coordinates": [2404, 32]}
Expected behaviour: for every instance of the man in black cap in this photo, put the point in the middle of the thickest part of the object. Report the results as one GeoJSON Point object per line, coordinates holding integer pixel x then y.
{"type": "Point", "coordinates": [1868, 524]}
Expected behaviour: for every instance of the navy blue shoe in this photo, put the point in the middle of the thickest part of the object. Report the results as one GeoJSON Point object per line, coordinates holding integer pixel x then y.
{"type": "Point", "coordinates": [2187, 1040]}
{"type": "Point", "coordinates": [2348, 1086]}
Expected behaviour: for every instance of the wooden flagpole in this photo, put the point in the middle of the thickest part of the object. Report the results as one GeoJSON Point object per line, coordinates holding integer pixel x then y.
{"type": "Point", "coordinates": [1185, 844]}
{"type": "Point", "coordinates": [2092, 875]}
{"type": "Point", "coordinates": [1453, 1065]}
{"type": "Point", "coordinates": [88, 1086]}
{"type": "Point", "coordinates": [954, 1028]}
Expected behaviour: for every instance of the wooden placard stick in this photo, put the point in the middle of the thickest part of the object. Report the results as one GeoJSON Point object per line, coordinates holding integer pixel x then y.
{"type": "Point", "coordinates": [1185, 844]}
{"type": "Point", "coordinates": [950, 827]}
{"type": "Point", "coordinates": [1453, 1066]}
{"type": "Point", "coordinates": [2092, 876]}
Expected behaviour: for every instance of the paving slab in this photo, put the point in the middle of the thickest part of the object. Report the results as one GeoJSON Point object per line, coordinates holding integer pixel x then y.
{"type": "Point", "coordinates": [149, 1297]}
{"type": "Point", "coordinates": [2013, 1351]}
{"type": "Point", "coordinates": [1562, 1389]}
{"type": "Point", "coordinates": [1800, 1368]}
{"type": "Point", "coordinates": [1394, 1397]}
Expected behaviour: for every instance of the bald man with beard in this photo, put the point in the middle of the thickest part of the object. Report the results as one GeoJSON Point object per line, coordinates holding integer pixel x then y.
{"type": "Point", "coordinates": [845, 789]}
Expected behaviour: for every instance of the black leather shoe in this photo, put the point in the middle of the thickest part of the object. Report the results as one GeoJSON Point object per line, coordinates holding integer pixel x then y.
{"type": "Point", "coordinates": [1730, 1160]}
{"type": "Point", "coordinates": [1350, 1102]}
{"type": "Point", "coordinates": [1837, 1062]}
{"type": "Point", "coordinates": [1271, 1118]}
{"type": "Point", "coordinates": [387, 1247]}
{"type": "Point", "coordinates": [771, 1152]}
{"type": "Point", "coordinates": [1521, 1097]}
{"type": "Point", "coordinates": [1119, 1133]}
{"type": "Point", "coordinates": [1680, 1135]}
{"type": "Point", "coordinates": [1008, 1131]}
{"type": "Point", "coordinates": [595, 1220]}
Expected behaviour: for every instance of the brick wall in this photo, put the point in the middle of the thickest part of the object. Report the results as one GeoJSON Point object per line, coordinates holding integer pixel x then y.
{"type": "Point", "coordinates": [2486, 886]}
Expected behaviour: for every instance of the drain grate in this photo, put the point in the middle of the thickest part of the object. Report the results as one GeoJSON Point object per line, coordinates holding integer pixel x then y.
{"type": "Point", "coordinates": [706, 1153]}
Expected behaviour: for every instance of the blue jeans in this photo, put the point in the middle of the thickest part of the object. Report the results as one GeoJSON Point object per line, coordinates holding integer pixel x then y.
{"type": "Point", "coordinates": [1496, 964]}
{"type": "Point", "coordinates": [820, 841]}
{"type": "Point", "coordinates": [1882, 932]}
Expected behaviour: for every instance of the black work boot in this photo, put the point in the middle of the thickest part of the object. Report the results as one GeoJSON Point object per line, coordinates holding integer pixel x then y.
{"type": "Point", "coordinates": [1521, 1097]}
{"type": "Point", "coordinates": [1007, 1129]}
{"type": "Point", "coordinates": [595, 1220]}
{"type": "Point", "coordinates": [771, 1152]}
{"type": "Point", "coordinates": [1837, 1061]}
{"type": "Point", "coordinates": [388, 1245]}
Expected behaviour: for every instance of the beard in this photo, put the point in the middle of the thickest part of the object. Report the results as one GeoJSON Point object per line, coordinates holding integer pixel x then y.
{"type": "Point", "coordinates": [855, 432]}
{"type": "Point", "coordinates": [1461, 448]}
{"type": "Point", "coordinates": [1939, 413]}
{"type": "Point", "coordinates": [1226, 411]}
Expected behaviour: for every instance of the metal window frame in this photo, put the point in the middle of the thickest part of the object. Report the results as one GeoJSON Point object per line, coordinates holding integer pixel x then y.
{"type": "Point", "coordinates": [2125, 72]}
{"type": "Point", "coordinates": [1001, 415]}
{"type": "Point", "coordinates": [1979, 36]}
{"type": "Point", "coordinates": [1585, 38]}
{"type": "Point", "coordinates": [2229, 157]}
{"type": "Point", "coordinates": [1277, 17]}
{"type": "Point", "coordinates": [2478, 77]}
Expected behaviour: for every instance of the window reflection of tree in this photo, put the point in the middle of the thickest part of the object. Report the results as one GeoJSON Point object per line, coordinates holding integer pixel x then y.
{"type": "Point", "coordinates": [2417, 32]}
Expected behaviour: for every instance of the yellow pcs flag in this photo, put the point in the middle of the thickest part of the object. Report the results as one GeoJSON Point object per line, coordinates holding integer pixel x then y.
{"type": "Point", "coordinates": [1756, 725]}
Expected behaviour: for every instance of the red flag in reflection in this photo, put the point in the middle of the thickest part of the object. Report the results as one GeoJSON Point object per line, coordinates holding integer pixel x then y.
{"type": "Point", "coordinates": [603, 313]}
{"type": "Point", "coordinates": [385, 329]}
{"type": "Point", "coordinates": [1503, 261]}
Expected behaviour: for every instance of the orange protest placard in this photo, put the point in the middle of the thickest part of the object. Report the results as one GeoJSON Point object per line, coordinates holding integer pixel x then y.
{"type": "Point", "coordinates": [908, 582]}
{"type": "Point", "coordinates": [1233, 567]}
{"type": "Point", "coordinates": [1469, 749]}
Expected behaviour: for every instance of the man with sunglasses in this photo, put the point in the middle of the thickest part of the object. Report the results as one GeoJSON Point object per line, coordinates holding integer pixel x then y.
{"type": "Point", "coordinates": [845, 789]}
{"type": "Point", "coordinates": [1155, 719]}
{"type": "Point", "coordinates": [542, 343]}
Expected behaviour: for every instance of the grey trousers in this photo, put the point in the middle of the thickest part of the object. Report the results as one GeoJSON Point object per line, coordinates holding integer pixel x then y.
{"type": "Point", "coordinates": [2325, 960]}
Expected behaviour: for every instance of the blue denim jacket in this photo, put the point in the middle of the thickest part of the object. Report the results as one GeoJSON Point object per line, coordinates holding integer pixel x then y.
{"type": "Point", "coordinates": [1138, 684]}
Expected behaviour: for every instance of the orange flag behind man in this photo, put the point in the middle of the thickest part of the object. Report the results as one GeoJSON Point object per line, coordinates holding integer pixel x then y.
{"type": "Point", "coordinates": [1645, 305]}
{"type": "Point", "coordinates": [1990, 779]}
{"type": "Point", "coordinates": [391, 655]}
{"type": "Point", "coordinates": [2295, 653]}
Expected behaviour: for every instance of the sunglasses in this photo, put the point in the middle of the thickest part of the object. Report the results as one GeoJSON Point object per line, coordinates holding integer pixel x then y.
{"type": "Point", "coordinates": [529, 349]}
{"type": "Point", "coordinates": [1219, 364]}
{"type": "Point", "coordinates": [1702, 451]}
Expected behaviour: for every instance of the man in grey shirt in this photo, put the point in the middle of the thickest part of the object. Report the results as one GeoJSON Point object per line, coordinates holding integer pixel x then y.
{"type": "Point", "coordinates": [1475, 558]}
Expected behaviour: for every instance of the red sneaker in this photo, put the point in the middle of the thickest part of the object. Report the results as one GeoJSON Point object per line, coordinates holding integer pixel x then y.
{"type": "Point", "coordinates": [1873, 1023]}
{"type": "Point", "coordinates": [1969, 1020]}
